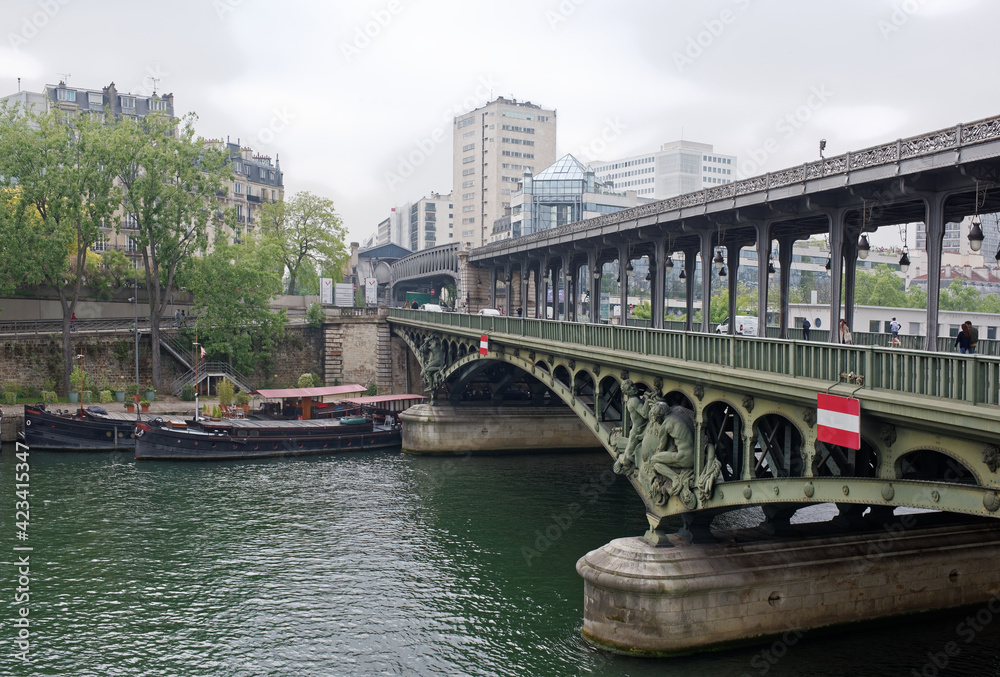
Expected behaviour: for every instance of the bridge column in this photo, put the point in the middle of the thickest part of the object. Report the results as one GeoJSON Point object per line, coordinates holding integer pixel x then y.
{"type": "Point", "coordinates": [850, 248]}
{"type": "Point", "coordinates": [657, 298]}
{"type": "Point", "coordinates": [934, 218]}
{"type": "Point", "coordinates": [542, 288]}
{"type": "Point", "coordinates": [706, 279]}
{"type": "Point", "coordinates": [785, 245]}
{"type": "Point", "coordinates": [690, 263]}
{"type": "Point", "coordinates": [733, 256]}
{"type": "Point", "coordinates": [523, 300]}
{"type": "Point", "coordinates": [623, 259]}
{"type": "Point", "coordinates": [508, 281]}
{"type": "Point", "coordinates": [836, 218]}
{"type": "Point", "coordinates": [493, 287]}
{"type": "Point", "coordinates": [594, 268]}
{"type": "Point", "coordinates": [763, 256]}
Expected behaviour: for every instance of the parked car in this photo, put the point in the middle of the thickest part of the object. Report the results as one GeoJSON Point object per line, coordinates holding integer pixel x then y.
{"type": "Point", "coordinates": [431, 307]}
{"type": "Point", "coordinates": [493, 312]}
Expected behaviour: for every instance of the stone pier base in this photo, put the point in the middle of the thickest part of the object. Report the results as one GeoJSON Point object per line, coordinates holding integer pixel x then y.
{"type": "Point", "coordinates": [644, 600]}
{"type": "Point", "coordinates": [445, 429]}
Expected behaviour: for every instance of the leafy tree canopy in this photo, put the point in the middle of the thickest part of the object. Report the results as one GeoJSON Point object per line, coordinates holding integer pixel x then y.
{"type": "Point", "coordinates": [307, 234]}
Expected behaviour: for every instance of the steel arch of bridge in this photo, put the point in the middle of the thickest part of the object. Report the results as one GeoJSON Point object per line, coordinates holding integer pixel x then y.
{"type": "Point", "coordinates": [917, 452]}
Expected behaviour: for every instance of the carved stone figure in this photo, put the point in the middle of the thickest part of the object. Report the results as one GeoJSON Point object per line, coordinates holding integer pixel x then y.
{"type": "Point", "coordinates": [432, 358]}
{"type": "Point", "coordinates": [638, 416]}
{"type": "Point", "coordinates": [666, 463]}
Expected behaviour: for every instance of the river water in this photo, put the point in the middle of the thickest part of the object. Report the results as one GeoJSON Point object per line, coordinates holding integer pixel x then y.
{"type": "Point", "coordinates": [364, 564]}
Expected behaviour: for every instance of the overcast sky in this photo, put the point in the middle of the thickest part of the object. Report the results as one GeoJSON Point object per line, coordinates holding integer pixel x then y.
{"type": "Point", "coordinates": [348, 93]}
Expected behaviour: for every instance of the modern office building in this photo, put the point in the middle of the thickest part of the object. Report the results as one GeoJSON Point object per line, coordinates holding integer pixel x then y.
{"type": "Point", "coordinates": [563, 193]}
{"type": "Point", "coordinates": [678, 167]}
{"type": "Point", "coordinates": [493, 146]}
{"type": "Point", "coordinates": [429, 222]}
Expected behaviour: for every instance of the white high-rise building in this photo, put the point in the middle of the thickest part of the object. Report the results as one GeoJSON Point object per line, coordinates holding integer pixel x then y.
{"type": "Point", "coordinates": [678, 167]}
{"type": "Point", "coordinates": [493, 146]}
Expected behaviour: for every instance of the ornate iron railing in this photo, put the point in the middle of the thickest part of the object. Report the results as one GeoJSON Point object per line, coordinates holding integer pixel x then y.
{"type": "Point", "coordinates": [974, 379]}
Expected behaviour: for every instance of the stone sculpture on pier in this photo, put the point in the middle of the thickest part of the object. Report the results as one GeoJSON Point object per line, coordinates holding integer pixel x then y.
{"type": "Point", "coordinates": [660, 451]}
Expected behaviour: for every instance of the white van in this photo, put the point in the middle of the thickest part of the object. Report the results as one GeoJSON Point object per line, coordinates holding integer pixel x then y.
{"type": "Point", "coordinates": [745, 325]}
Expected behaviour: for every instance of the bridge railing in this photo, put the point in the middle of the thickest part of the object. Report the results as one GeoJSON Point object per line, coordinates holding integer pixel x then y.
{"type": "Point", "coordinates": [968, 378]}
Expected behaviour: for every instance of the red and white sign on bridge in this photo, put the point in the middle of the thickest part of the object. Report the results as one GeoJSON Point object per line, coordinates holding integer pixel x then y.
{"type": "Point", "coordinates": [484, 344]}
{"type": "Point", "coordinates": [838, 420]}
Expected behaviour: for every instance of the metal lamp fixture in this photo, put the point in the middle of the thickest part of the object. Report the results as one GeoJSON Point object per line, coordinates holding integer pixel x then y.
{"type": "Point", "coordinates": [718, 261]}
{"type": "Point", "coordinates": [998, 256]}
{"type": "Point", "coordinates": [770, 269]}
{"type": "Point", "coordinates": [597, 275]}
{"type": "Point", "coordinates": [682, 276]}
{"type": "Point", "coordinates": [904, 261]}
{"type": "Point", "coordinates": [976, 236]}
{"type": "Point", "coordinates": [669, 264]}
{"type": "Point", "coordinates": [829, 263]}
{"type": "Point", "coordinates": [863, 247]}
{"type": "Point", "coordinates": [722, 271]}
{"type": "Point", "coordinates": [629, 269]}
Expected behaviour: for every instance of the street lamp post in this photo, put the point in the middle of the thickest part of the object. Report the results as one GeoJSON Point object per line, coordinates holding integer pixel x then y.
{"type": "Point", "coordinates": [197, 359]}
{"type": "Point", "coordinates": [80, 357]}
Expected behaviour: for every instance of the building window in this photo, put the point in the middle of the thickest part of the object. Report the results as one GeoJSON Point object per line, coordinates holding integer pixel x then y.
{"type": "Point", "coordinates": [127, 101]}
{"type": "Point", "coordinates": [468, 196]}
{"type": "Point", "coordinates": [95, 99]}
{"type": "Point", "coordinates": [467, 160]}
{"type": "Point", "coordinates": [157, 104]}
{"type": "Point", "coordinates": [238, 188]}
{"type": "Point", "coordinates": [66, 94]}
{"type": "Point", "coordinates": [469, 171]}
{"type": "Point", "coordinates": [466, 122]}
{"type": "Point", "coordinates": [469, 208]}
{"type": "Point", "coordinates": [469, 146]}
{"type": "Point", "coordinates": [468, 184]}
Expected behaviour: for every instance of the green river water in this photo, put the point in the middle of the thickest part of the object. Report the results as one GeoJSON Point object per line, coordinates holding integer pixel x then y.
{"type": "Point", "coordinates": [363, 564]}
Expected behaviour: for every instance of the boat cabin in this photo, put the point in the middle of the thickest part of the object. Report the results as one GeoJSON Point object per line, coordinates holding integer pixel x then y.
{"type": "Point", "coordinates": [307, 404]}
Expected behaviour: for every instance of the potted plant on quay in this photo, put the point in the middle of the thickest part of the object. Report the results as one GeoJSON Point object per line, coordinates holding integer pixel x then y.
{"type": "Point", "coordinates": [144, 404]}
{"type": "Point", "coordinates": [130, 406]}
{"type": "Point", "coordinates": [150, 392]}
{"type": "Point", "coordinates": [120, 389]}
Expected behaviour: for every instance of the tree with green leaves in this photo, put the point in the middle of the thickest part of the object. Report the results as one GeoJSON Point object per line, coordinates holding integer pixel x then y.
{"type": "Point", "coordinates": [65, 191]}
{"type": "Point", "coordinates": [168, 179]}
{"type": "Point", "coordinates": [307, 232]}
{"type": "Point", "coordinates": [233, 286]}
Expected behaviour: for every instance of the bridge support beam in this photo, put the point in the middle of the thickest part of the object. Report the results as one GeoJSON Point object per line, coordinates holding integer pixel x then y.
{"type": "Point", "coordinates": [747, 588]}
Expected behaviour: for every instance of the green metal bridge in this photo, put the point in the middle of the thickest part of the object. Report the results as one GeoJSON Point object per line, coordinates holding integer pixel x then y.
{"type": "Point", "coordinates": [930, 422]}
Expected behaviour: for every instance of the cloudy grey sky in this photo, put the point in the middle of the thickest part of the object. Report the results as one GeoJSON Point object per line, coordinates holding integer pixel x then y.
{"type": "Point", "coordinates": [346, 92]}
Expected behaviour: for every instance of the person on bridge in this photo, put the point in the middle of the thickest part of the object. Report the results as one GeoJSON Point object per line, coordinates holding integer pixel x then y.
{"type": "Point", "coordinates": [973, 337]}
{"type": "Point", "coordinates": [72, 322]}
{"type": "Point", "coordinates": [894, 330]}
{"type": "Point", "coordinates": [805, 329]}
{"type": "Point", "coordinates": [964, 339]}
{"type": "Point", "coordinates": [845, 333]}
